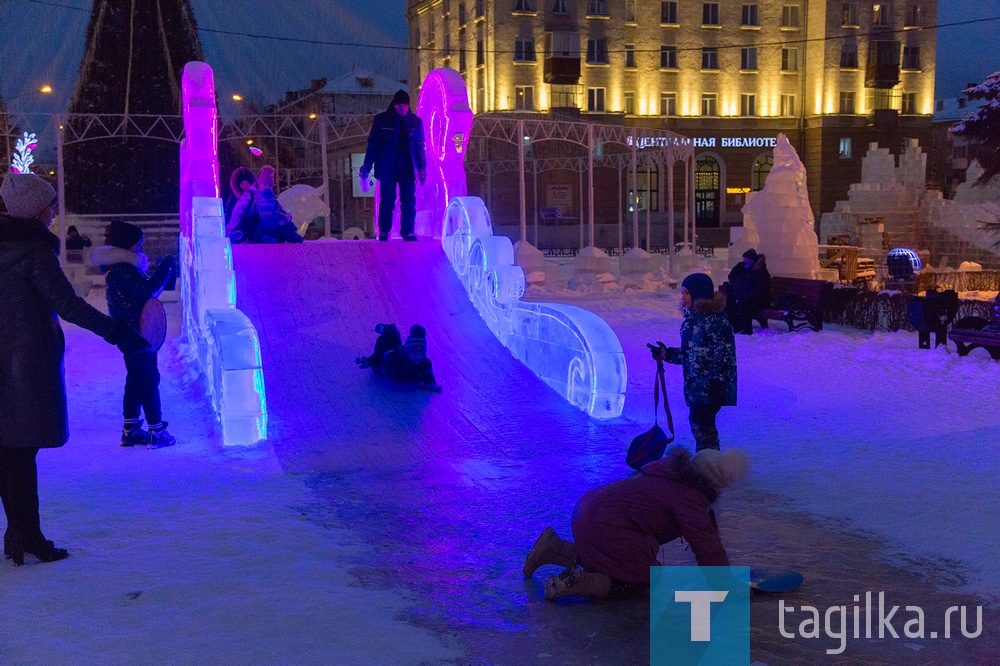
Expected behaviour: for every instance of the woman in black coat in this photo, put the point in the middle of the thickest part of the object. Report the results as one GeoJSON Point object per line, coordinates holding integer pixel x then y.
{"type": "Point", "coordinates": [34, 293]}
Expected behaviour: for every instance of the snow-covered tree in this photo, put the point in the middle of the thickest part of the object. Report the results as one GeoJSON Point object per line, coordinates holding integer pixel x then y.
{"type": "Point", "coordinates": [982, 127]}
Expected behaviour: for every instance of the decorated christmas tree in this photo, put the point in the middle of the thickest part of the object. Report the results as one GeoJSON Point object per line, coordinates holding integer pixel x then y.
{"type": "Point", "coordinates": [131, 68]}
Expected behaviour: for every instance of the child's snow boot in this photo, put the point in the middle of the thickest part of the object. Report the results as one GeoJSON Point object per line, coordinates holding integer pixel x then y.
{"type": "Point", "coordinates": [159, 437]}
{"type": "Point", "coordinates": [133, 434]}
{"type": "Point", "coordinates": [550, 549]}
{"type": "Point", "coordinates": [575, 582]}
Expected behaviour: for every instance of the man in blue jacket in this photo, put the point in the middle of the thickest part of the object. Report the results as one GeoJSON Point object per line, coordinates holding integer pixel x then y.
{"type": "Point", "coordinates": [396, 149]}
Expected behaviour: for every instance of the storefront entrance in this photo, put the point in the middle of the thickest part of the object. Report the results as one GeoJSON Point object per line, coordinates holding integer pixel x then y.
{"type": "Point", "coordinates": [706, 192]}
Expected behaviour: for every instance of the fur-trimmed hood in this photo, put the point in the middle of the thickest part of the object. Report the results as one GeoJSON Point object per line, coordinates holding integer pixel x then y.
{"type": "Point", "coordinates": [678, 463]}
{"type": "Point", "coordinates": [109, 255]}
{"type": "Point", "coordinates": [714, 305]}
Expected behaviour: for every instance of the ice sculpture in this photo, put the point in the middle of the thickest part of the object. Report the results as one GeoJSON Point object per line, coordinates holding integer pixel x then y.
{"type": "Point", "coordinates": [305, 204]}
{"type": "Point", "coordinates": [571, 349]}
{"type": "Point", "coordinates": [444, 108]}
{"type": "Point", "coordinates": [224, 339]}
{"type": "Point", "coordinates": [779, 220]}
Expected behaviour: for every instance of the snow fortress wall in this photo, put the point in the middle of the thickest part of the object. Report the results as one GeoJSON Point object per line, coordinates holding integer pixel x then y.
{"type": "Point", "coordinates": [224, 339]}
{"type": "Point", "coordinates": [571, 349]}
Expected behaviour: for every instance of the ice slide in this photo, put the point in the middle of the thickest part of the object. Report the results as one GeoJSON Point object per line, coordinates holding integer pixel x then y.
{"type": "Point", "coordinates": [570, 349]}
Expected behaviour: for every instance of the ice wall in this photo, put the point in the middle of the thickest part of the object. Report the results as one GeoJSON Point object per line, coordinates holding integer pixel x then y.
{"type": "Point", "coordinates": [571, 349]}
{"type": "Point", "coordinates": [223, 338]}
{"type": "Point", "coordinates": [779, 220]}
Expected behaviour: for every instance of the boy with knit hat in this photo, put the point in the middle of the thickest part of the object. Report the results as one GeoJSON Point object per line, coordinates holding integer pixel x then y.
{"type": "Point", "coordinates": [707, 355]}
{"type": "Point", "coordinates": [128, 288]}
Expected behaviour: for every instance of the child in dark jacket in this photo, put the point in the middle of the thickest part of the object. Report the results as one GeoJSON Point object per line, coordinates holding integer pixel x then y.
{"type": "Point", "coordinates": [402, 363]}
{"type": "Point", "coordinates": [125, 265]}
{"type": "Point", "coordinates": [707, 355]}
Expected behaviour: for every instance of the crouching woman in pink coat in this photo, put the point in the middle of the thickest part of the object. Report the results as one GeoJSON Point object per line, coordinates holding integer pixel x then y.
{"type": "Point", "coordinates": [618, 528]}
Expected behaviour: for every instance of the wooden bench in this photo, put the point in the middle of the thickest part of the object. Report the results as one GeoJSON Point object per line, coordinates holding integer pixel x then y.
{"type": "Point", "coordinates": [796, 301]}
{"type": "Point", "coordinates": [972, 332]}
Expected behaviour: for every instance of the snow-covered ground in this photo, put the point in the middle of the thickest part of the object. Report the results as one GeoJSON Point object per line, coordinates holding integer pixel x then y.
{"type": "Point", "coordinates": [214, 548]}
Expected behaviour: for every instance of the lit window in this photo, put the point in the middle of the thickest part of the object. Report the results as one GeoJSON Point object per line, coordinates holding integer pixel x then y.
{"type": "Point", "coordinates": [789, 60]}
{"type": "Point", "coordinates": [750, 16]}
{"type": "Point", "coordinates": [709, 104]}
{"type": "Point", "coordinates": [882, 14]}
{"type": "Point", "coordinates": [845, 148]}
{"type": "Point", "coordinates": [668, 57]}
{"type": "Point", "coordinates": [710, 58]}
{"type": "Point", "coordinates": [748, 58]}
{"type": "Point", "coordinates": [748, 104]}
{"type": "Point", "coordinates": [710, 13]}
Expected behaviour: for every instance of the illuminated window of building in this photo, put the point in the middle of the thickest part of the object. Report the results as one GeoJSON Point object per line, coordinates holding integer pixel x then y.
{"type": "Point", "coordinates": [849, 54]}
{"type": "Point", "coordinates": [461, 13]}
{"type": "Point", "coordinates": [911, 57]}
{"type": "Point", "coordinates": [524, 5]}
{"type": "Point", "coordinates": [882, 14]}
{"type": "Point", "coordinates": [710, 104]}
{"type": "Point", "coordinates": [748, 104]}
{"type": "Point", "coordinates": [788, 105]}
{"type": "Point", "coordinates": [748, 58]}
{"type": "Point", "coordinates": [790, 16]}
{"type": "Point", "coordinates": [789, 60]}
{"type": "Point", "coordinates": [648, 184]}
{"type": "Point", "coordinates": [668, 13]}
{"type": "Point", "coordinates": [882, 99]}
{"type": "Point", "coordinates": [525, 98]}
{"type": "Point", "coordinates": [758, 174]}
{"type": "Point", "coordinates": [595, 100]}
{"type": "Point", "coordinates": [914, 16]}
{"type": "Point", "coordinates": [847, 99]}
{"type": "Point", "coordinates": [668, 104]}
{"type": "Point", "coordinates": [909, 105]}
{"type": "Point", "coordinates": [629, 103]}
{"type": "Point", "coordinates": [597, 51]}
{"type": "Point", "coordinates": [845, 148]}
{"type": "Point", "coordinates": [750, 16]}
{"type": "Point", "coordinates": [710, 58]}
{"type": "Point", "coordinates": [706, 175]}
{"type": "Point", "coordinates": [710, 13]}
{"type": "Point", "coordinates": [564, 97]}
{"type": "Point", "coordinates": [668, 57]}
{"type": "Point", "coordinates": [630, 11]}
{"type": "Point", "coordinates": [597, 8]}
{"type": "Point", "coordinates": [630, 55]}
{"type": "Point", "coordinates": [524, 49]}
{"type": "Point", "coordinates": [850, 14]}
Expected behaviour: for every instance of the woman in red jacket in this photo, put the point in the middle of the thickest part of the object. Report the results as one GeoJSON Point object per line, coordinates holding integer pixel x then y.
{"type": "Point", "coordinates": [618, 528]}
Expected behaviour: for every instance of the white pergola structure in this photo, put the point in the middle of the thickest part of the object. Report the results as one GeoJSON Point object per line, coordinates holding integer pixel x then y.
{"type": "Point", "coordinates": [632, 148]}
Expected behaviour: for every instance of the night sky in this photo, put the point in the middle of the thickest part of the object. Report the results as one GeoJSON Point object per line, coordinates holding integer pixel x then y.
{"type": "Point", "coordinates": [41, 41]}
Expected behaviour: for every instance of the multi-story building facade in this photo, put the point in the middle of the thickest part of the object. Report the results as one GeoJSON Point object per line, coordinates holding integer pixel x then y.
{"type": "Point", "coordinates": [831, 76]}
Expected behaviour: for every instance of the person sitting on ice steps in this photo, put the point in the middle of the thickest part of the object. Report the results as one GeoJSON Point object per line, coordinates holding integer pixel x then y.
{"type": "Point", "coordinates": [402, 362]}
{"type": "Point", "coordinates": [618, 528]}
